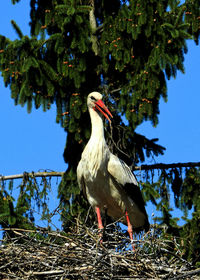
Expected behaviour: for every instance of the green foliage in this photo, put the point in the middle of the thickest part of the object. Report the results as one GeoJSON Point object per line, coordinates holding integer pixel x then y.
{"type": "Point", "coordinates": [185, 185]}
{"type": "Point", "coordinates": [190, 196]}
{"type": "Point", "coordinates": [31, 196]}
{"type": "Point", "coordinates": [138, 46]}
{"type": "Point", "coordinates": [190, 238]}
{"type": "Point", "coordinates": [17, 29]}
{"type": "Point", "coordinates": [15, 1]}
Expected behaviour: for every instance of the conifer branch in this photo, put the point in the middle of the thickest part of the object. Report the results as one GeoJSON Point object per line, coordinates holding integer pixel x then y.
{"type": "Point", "coordinates": [93, 26]}
{"type": "Point", "coordinates": [166, 166]}
{"type": "Point", "coordinates": [17, 29]}
{"type": "Point", "coordinates": [135, 168]}
{"type": "Point", "coordinates": [32, 174]}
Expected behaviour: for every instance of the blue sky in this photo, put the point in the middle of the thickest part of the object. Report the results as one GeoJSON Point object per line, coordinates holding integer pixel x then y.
{"type": "Point", "coordinates": [32, 142]}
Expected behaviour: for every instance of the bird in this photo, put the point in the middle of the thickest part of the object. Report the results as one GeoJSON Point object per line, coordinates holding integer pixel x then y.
{"type": "Point", "coordinates": [106, 180]}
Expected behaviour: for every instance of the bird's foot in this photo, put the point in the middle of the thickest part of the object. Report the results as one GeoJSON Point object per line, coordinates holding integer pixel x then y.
{"type": "Point", "coordinates": [100, 232]}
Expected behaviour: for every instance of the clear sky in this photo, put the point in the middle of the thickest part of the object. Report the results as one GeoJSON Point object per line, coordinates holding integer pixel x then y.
{"type": "Point", "coordinates": [31, 142]}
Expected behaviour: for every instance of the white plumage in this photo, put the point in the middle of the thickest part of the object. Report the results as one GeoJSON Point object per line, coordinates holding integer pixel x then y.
{"type": "Point", "coordinates": [105, 179]}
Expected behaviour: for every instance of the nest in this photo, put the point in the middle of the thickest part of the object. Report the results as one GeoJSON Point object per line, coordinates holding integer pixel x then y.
{"type": "Point", "coordinates": [43, 254]}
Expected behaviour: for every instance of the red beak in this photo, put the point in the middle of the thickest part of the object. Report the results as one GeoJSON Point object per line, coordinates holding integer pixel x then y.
{"type": "Point", "coordinates": [103, 109]}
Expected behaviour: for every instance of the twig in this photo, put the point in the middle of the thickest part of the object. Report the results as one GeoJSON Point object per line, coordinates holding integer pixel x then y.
{"type": "Point", "coordinates": [5, 265]}
{"type": "Point", "coordinates": [32, 175]}
{"type": "Point", "coordinates": [175, 255]}
{"type": "Point", "coordinates": [135, 168]}
{"type": "Point", "coordinates": [186, 274]}
{"type": "Point", "coordinates": [49, 255]}
{"type": "Point", "coordinates": [166, 166]}
{"type": "Point", "coordinates": [47, 272]}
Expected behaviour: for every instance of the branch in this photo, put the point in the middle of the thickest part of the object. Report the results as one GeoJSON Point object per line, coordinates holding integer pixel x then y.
{"type": "Point", "coordinates": [39, 273]}
{"type": "Point", "coordinates": [186, 274]}
{"type": "Point", "coordinates": [135, 168]}
{"type": "Point", "coordinates": [93, 26]}
{"type": "Point", "coordinates": [32, 174]}
{"type": "Point", "coordinates": [166, 166]}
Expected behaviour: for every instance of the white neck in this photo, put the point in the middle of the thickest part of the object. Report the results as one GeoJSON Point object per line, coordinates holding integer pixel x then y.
{"type": "Point", "coordinates": [97, 125]}
{"type": "Point", "coordinates": [96, 149]}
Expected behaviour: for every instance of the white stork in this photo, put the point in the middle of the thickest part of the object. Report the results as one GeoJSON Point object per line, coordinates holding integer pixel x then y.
{"type": "Point", "coordinates": [105, 179]}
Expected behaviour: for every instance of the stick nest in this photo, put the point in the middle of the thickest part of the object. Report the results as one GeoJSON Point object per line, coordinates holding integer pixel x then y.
{"type": "Point", "coordinates": [43, 254]}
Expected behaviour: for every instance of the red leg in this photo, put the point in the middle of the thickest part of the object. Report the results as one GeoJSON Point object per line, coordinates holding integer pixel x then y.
{"type": "Point", "coordinates": [100, 224]}
{"type": "Point", "coordinates": [130, 229]}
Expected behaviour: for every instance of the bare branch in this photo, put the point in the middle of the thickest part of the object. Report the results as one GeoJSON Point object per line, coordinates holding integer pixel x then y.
{"type": "Point", "coordinates": [166, 166]}
{"type": "Point", "coordinates": [135, 168]}
{"type": "Point", "coordinates": [186, 274]}
{"type": "Point", "coordinates": [32, 175]}
{"type": "Point", "coordinates": [39, 273]}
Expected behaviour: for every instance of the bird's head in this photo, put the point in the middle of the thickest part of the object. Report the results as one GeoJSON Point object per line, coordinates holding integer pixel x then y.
{"type": "Point", "coordinates": [95, 102]}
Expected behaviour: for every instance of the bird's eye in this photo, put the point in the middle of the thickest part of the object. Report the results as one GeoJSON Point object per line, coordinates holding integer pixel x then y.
{"type": "Point", "coordinates": [93, 98]}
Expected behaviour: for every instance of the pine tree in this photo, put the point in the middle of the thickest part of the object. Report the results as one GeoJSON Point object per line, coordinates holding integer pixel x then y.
{"type": "Point", "coordinates": [125, 49]}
